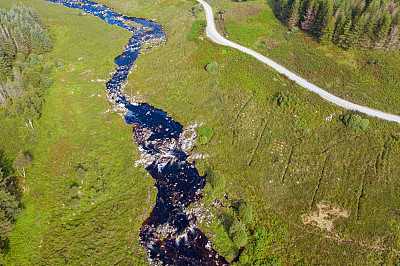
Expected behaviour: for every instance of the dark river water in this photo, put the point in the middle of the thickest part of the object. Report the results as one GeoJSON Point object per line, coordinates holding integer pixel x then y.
{"type": "Point", "coordinates": [169, 235]}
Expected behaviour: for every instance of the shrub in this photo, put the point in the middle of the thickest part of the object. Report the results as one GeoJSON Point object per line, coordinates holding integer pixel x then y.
{"type": "Point", "coordinates": [205, 134]}
{"type": "Point", "coordinates": [355, 121]}
{"type": "Point", "coordinates": [46, 82]}
{"type": "Point", "coordinates": [33, 60]}
{"type": "Point", "coordinates": [245, 213]}
{"type": "Point", "coordinates": [31, 77]}
{"type": "Point", "coordinates": [216, 179]}
{"type": "Point", "coordinates": [212, 66]}
{"type": "Point", "coordinates": [73, 191]}
{"type": "Point", "coordinates": [284, 99]}
{"type": "Point", "coordinates": [22, 161]}
{"type": "Point", "coordinates": [21, 57]}
{"type": "Point", "coordinates": [60, 64]}
{"type": "Point", "coordinates": [47, 68]}
{"type": "Point", "coordinates": [243, 259]}
{"type": "Point", "coordinates": [74, 202]}
{"type": "Point", "coordinates": [196, 9]}
{"type": "Point", "coordinates": [238, 233]}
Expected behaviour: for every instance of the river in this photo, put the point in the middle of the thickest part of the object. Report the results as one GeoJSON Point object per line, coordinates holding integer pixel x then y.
{"type": "Point", "coordinates": [169, 235]}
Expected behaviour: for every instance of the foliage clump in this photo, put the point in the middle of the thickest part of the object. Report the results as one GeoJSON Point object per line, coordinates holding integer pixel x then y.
{"type": "Point", "coordinates": [9, 210]}
{"type": "Point", "coordinates": [285, 99]}
{"type": "Point", "coordinates": [74, 194]}
{"type": "Point", "coordinates": [238, 233]}
{"type": "Point", "coordinates": [212, 66]}
{"type": "Point", "coordinates": [216, 179]}
{"type": "Point", "coordinates": [22, 32]}
{"type": "Point", "coordinates": [22, 82]}
{"type": "Point", "coordinates": [355, 121]}
{"type": "Point", "coordinates": [205, 134]}
{"type": "Point", "coordinates": [245, 213]}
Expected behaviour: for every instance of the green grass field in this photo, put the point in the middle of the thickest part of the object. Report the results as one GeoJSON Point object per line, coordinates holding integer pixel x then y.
{"type": "Point", "coordinates": [374, 79]}
{"type": "Point", "coordinates": [78, 140]}
{"type": "Point", "coordinates": [324, 193]}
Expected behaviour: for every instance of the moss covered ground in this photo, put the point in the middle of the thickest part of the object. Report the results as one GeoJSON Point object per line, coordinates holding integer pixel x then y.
{"type": "Point", "coordinates": [322, 193]}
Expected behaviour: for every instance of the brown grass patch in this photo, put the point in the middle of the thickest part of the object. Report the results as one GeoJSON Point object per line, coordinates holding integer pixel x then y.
{"type": "Point", "coordinates": [242, 12]}
{"type": "Point", "coordinates": [324, 217]}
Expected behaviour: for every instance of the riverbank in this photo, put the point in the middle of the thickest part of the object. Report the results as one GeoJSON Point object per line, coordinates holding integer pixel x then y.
{"type": "Point", "coordinates": [79, 140]}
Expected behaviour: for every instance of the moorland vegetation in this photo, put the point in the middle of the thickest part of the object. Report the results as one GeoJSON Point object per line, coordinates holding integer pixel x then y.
{"type": "Point", "coordinates": [291, 179]}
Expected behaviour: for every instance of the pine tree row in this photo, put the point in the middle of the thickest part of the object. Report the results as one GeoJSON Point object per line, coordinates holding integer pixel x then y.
{"type": "Point", "coordinates": [348, 23]}
{"type": "Point", "coordinates": [21, 31]}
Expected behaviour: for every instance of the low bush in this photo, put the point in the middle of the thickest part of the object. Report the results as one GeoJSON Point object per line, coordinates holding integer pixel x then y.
{"type": "Point", "coordinates": [238, 233]}
{"type": "Point", "coordinates": [284, 99]}
{"type": "Point", "coordinates": [212, 66]}
{"type": "Point", "coordinates": [196, 9]}
{"type": "Point", "coordinates": [355, 121]}
{"type": "Point", "coordinates": [205, 134]}
{"type": "Point", "coordinates": [245, 213]}
{"type": "Point", "coordinates": [216, 179]}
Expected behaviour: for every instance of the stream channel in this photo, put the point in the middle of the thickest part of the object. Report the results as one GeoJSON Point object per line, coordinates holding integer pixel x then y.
{"type": "Point", "coordinates": [169, 235]}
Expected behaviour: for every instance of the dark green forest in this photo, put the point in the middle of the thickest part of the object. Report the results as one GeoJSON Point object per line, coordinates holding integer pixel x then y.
{"type": "Point", "coordinates": [23, 40]}
{"type": "Point", "coordinates": [348, 23]}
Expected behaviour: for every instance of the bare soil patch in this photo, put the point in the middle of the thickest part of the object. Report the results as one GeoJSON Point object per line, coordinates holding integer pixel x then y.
{"type": "Point", "coordinates": [326, 214]}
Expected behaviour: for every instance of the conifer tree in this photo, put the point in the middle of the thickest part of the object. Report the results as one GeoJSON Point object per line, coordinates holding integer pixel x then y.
{"type": "Point", "coordinates": [309, 16]}
{"type": "Point", "coordinates": [328, 26]}
{"type": "Point", "coordinates": [364, 23]}
{"type": "Point", "coordinates": [383, 26]}
{"type": "Point", "coordinates": [340, 22]}
{"type": "Point", "coordinates": [36, 42]}
{"type": "Point", "coordinates": [320, 17]}
{"type": "Point", "coordinates": [283, 10]}
{"type": "Point", "coordinates": [357, 31]}
{"type": "Point", "coordinates": [344, 38]}
{"type": "Point", "coordinates": [293, 18]}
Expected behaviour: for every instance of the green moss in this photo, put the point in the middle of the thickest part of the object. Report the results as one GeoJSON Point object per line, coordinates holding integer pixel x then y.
{"type": "Point", "coordinates": [197, 29]}
{"type": "Point", "coordinates": [205, 134]}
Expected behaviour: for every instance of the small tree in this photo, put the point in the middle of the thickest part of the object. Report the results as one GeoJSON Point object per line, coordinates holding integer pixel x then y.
{"type": "Point", "coordinates": [245, 213]}
{"type": "Point", "coordinates": [73, 191]}
{"type": "Point", "coordinates": [238, 233]}
{"type": "Point", "coordinates": [21, 163]}
{"type": "Point", "coordinates": [284, 99]}
{"type": "Point", "coordinates": [212, 66]}
{"type": "Point", "coordinates": [216, 179]}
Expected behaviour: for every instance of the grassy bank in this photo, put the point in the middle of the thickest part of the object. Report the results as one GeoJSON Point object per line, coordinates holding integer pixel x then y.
{"type": "Point", "coordinates": [323, 192]}
{"type": "Point", "coordinates": [78, 142]}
